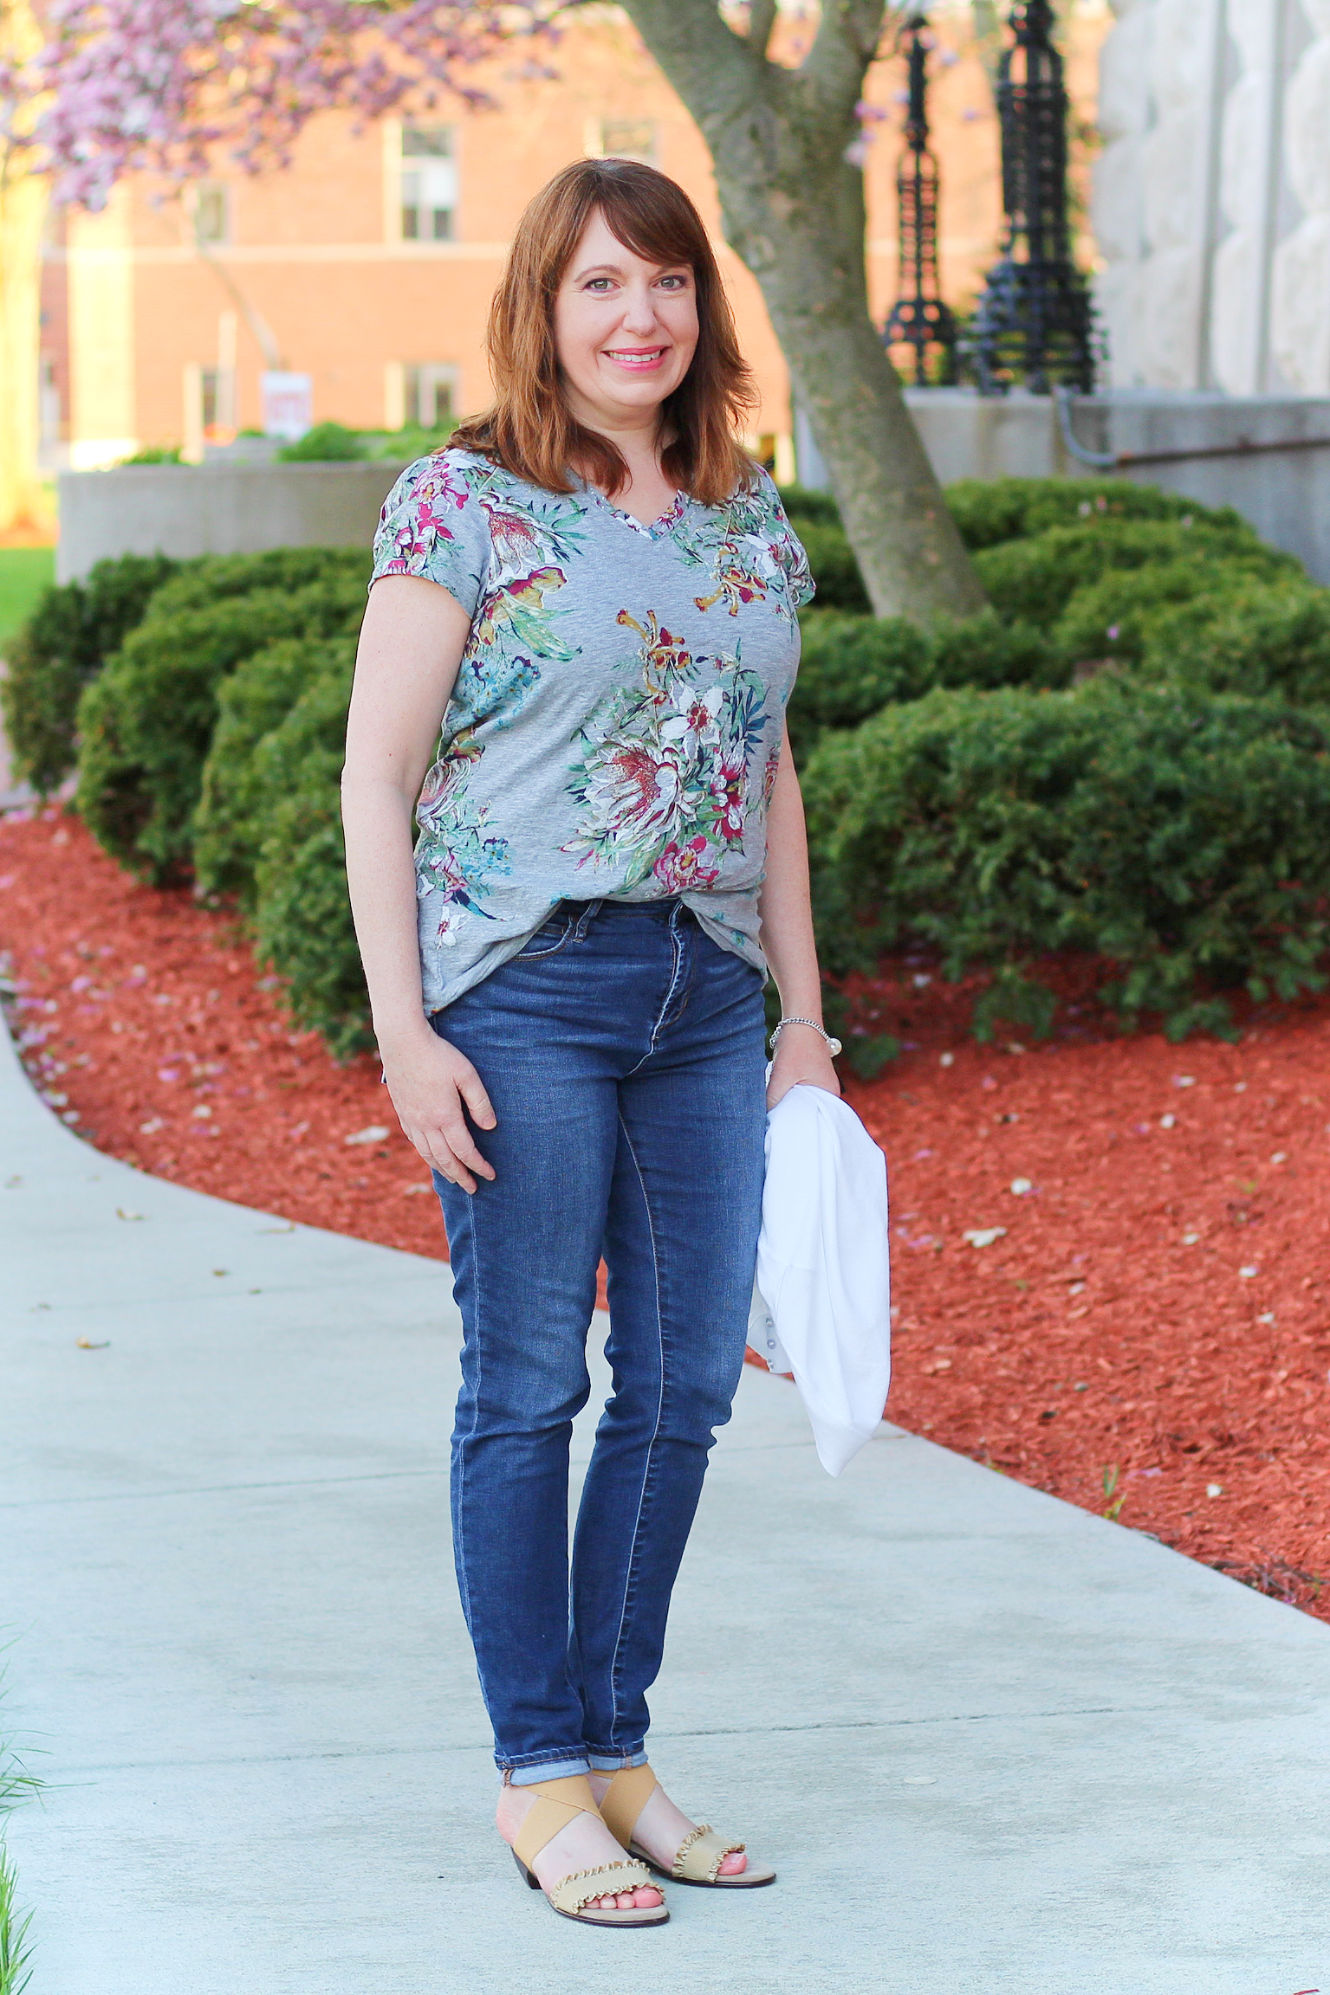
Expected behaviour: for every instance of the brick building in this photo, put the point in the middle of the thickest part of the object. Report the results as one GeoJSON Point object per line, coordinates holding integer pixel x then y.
{"type": "Point", "coordinates": [370, 262]}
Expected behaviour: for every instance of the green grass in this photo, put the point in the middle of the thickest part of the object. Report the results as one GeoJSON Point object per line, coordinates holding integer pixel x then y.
{"type": "Point", "coordinates": [24, 573]}
{"type": "Point", "coordinates": [17, 1785]}
{"type": "Point", "coordinates": [15, 1953]}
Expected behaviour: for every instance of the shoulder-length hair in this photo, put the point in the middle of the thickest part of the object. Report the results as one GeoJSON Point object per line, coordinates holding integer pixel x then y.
{"type": "Point", "coordinates": [530, 429]}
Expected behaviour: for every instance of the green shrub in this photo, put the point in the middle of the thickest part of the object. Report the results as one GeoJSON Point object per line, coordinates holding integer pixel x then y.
{"type": "Point", "coordinates": [147, 721]}
{"type": "Point", "coordinates": [1177, 834]}
{"type": "Point", "coordinates": [1034, 580]}
{"type": "Point", "coordinates": [302, 916]}
{"type": "Point", "coordinates": [991, 510]}
{"type": "Point", "coordinates": [1256, 637]}
{"type": "Point", "coordinates": [802, 504]}
{"type": "Point", "coordinates": [849, 667]}
{"type": "Point", "coordinates": [326, 443]}
{"type": "Point", "coordinates": [852, 666]}
{"type": "Point", "coordinates": [1110, 620]}
{"type": "Point", "coordinates": [234, 789]}
{"type": "Point", "coordinates": [835, 570]}
{"type": "Point", "coordinates": [75, 626]}
{"type": "Point", "coordinates": [213, 577]}
{"type": "Point", "coordinates": [981, 650]}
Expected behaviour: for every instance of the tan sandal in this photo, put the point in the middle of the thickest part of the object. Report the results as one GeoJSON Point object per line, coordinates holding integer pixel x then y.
{"type": "Point", "coordinates": [557, 1803]}
{"type": "Point", "coordinates": [698, 1857]}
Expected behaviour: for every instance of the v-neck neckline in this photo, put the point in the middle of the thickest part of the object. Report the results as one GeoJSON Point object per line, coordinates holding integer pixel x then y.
{"type": "Point", "coordinates": [655, 529]}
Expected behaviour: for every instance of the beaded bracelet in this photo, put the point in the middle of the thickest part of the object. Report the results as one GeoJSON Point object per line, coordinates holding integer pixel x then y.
{"type": "Point", "coordinates": [833, 1045]}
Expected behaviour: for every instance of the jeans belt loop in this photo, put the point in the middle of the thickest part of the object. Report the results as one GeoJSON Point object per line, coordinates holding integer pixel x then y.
{"type": "Point", "coordinates": [591, 909]}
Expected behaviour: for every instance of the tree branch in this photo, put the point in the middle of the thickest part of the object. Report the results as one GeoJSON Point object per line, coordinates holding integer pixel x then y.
{"type": "Point", "coordinates": [847, 39]}
{"type": "Point", "coordinates": [716, 72]}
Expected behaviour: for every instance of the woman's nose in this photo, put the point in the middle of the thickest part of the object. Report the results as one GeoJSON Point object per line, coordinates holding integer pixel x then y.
{"type": "Point", "coordinates": [639, 313]}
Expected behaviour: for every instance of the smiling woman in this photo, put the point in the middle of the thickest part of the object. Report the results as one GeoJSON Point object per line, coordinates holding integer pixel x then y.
{"type": "Point", "coordinates": [584, 610]}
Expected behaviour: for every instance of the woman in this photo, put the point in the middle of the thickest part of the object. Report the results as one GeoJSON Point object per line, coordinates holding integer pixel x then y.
{"type": "Point", "coordinates": [595, 589]}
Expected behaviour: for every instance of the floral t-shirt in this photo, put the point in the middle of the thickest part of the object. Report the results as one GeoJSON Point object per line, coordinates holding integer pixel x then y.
{"type": "Point", "coordinates": [615, 726]}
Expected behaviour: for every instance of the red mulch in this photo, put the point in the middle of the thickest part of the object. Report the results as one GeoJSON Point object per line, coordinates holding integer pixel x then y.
{"type": "Point", "coordinates": [1149, 1335]}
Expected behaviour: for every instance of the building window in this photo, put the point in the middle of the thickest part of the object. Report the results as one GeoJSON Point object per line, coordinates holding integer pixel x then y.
{"type": "Point", "coordinates": [429, 183]}
{"type": "Point", "coordinates": [625, 138]}
{"type": "Point", "coordinates": [430, 396]}
{"type": "Point", "coordinates": [212, 213]}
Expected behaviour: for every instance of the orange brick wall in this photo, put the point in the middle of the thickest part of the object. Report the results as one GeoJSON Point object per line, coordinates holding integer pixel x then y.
{"type": "Point", "coordinates": [312, 249]}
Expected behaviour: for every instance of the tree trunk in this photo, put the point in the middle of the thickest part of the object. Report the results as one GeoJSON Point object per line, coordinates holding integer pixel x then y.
{"type": "Point", "coordinates": [793, 209]}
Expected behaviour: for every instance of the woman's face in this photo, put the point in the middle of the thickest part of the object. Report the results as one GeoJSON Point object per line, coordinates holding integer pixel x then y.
{"type": "Point", "coordinates": [624, 330]}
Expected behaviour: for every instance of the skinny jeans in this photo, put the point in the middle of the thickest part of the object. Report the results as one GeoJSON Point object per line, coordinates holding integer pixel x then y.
{"type": "Point", "coordinates": [622, 1050]}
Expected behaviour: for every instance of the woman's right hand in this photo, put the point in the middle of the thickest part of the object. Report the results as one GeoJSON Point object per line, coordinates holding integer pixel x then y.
{"type": "Point", "coordinates": [434, 1087]}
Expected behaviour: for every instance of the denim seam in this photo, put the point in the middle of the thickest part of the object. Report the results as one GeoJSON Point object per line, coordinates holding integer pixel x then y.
{"type": "Point", "coordinates": [463, 1577]}
{"type": "Point", "coordinates": [655, 1435]}
{"type": "Point", "coordinates": [659, 1025]}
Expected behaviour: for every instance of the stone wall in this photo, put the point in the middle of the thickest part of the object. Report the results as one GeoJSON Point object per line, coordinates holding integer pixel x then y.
{"type": "Point", "coordinates": [1212, 195]}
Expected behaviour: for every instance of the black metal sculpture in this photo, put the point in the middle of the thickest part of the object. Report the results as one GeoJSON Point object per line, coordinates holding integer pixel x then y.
{"type": "Point", "coordinates": [919, 318]}
{"type": "Point", "coordinates": [1035, 321]}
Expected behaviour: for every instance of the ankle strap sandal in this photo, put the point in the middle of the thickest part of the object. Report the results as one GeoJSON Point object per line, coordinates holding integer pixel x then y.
{"type": "Point", "coordinates": [698, 1857]}
{"type": "Point", "coordinates": [557, 1803]}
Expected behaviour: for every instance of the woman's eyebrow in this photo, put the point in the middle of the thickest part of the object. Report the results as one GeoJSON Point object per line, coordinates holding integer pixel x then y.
{"type": "Point", "coordinates": [616, 270]}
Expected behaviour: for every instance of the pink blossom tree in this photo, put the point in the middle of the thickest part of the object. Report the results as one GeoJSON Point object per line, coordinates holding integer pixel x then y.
{"type": "Point", "coordinates": [165, 85]}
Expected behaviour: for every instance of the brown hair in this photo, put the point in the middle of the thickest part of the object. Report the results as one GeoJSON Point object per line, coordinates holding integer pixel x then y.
{"type": "Point", "coordinates": [530, 429]}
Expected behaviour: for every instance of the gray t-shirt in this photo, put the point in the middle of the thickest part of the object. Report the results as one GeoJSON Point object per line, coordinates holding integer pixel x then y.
{"type": "Point", "coordinates": [615, 727]}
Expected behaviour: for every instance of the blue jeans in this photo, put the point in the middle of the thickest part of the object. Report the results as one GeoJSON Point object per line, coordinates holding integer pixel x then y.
{"type": "Point", "coordinates": [623, 1053]}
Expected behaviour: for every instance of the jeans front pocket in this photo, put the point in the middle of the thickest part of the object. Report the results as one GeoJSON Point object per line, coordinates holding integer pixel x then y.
{"type": "Point", "coordinates": [548, 939]}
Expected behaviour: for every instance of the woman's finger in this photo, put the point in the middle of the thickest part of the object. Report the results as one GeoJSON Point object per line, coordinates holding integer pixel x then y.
{"type": "Point", "coordinates": [472, 1090]}
{"type": "Point", "coordinates": [460, 1141]}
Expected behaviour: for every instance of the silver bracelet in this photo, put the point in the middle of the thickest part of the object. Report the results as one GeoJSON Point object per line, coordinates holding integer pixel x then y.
{"type": "Point", "coordinates": [833, 1045]}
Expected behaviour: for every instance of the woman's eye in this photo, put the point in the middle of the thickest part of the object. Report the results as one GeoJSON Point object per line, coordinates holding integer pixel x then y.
{"type": "Point", "coordinates": [675, 283]}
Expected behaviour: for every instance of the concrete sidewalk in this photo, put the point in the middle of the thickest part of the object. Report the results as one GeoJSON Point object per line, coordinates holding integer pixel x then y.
{"type": "Point", "coordinates": [992, 1744]}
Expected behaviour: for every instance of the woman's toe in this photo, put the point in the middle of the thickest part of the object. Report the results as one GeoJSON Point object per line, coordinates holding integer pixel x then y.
{"type": "Point", "coordinates": [731, 1865]}
{"type": "Point", "coordinates": [646, 1898]}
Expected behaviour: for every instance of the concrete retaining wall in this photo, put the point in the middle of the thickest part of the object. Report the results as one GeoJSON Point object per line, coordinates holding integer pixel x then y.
{"type": "Point", "coordinates": [1283, 491]}
{"type": "Point", "coordinates": [236, 508]}
{"type": "Point", "coordinates": [239, 508]}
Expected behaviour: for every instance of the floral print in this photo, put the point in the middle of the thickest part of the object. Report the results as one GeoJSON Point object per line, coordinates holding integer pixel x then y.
{"type": "Point", "coordinates": [662, 781]}
{"type": "Point", "coordinates": [615, 723]}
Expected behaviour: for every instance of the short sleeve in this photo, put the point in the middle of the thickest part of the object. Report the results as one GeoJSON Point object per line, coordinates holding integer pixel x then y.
{"type": "Point", "coordinates": [787, 549]}
{"type": "Point", "coordinates": [433, 525]}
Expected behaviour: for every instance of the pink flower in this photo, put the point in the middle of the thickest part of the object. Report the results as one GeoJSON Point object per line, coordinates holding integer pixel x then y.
{"type": "Point", "coordinates": [680, 869]}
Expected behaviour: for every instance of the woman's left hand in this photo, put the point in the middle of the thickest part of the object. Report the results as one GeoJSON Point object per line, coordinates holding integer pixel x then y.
{"type": "Point", "coordinates": [801, 1055]}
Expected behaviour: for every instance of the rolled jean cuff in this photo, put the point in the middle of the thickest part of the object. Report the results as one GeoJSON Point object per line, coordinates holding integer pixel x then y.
{"type": "Point", "coordinates": [549, 1769]}
{"type": "Point", "coordinates": [614, 1762]}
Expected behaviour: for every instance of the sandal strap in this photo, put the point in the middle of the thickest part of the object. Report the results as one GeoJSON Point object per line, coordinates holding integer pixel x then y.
{"type": "Point", "coordinates": [571, 1893]}
{"type": "Point", "coordinates": [700, 1855]}
{"type": "Point", "coordinates": [624, 1799]}
{"type": "Point", "coordinates": [557, 1803]}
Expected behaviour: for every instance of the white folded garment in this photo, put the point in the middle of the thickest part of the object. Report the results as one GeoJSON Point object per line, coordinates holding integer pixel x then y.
{"type": "Point", "coordinates": [822, 1302]}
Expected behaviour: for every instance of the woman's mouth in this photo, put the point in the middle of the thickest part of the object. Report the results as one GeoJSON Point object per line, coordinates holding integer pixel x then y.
{"type": "Point", "coordinates": [640, 359]}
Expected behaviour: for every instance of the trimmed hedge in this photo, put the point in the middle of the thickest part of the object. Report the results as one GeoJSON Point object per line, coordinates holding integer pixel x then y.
{"type": "Point", "coordinates": [1178, 834]}
{"type": "Point", "coordinates": [1034, 580]}
{"type": "Point", "coordinates": [989, 511]}
{"type": "Point", "coordinates": [853, 666]}
{"type": "Point", "coordinates": [74, 628]}
{"type": "Point", "coordinates": [213, 577]}
{"type": "Point", "coordinates": [253, 702]}
{"type": "Point", "coordinates": [146, 723]}
{"type": "Point", "coordinates": [834, 568]}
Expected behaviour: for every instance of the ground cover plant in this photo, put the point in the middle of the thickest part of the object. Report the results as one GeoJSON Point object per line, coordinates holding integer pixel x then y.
{"type": "Point", "coordinates": [1180, 1386]}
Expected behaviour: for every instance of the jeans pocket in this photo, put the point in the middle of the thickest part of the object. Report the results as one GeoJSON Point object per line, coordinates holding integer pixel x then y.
{"type": "Point", "coordinates": [548, 938]}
